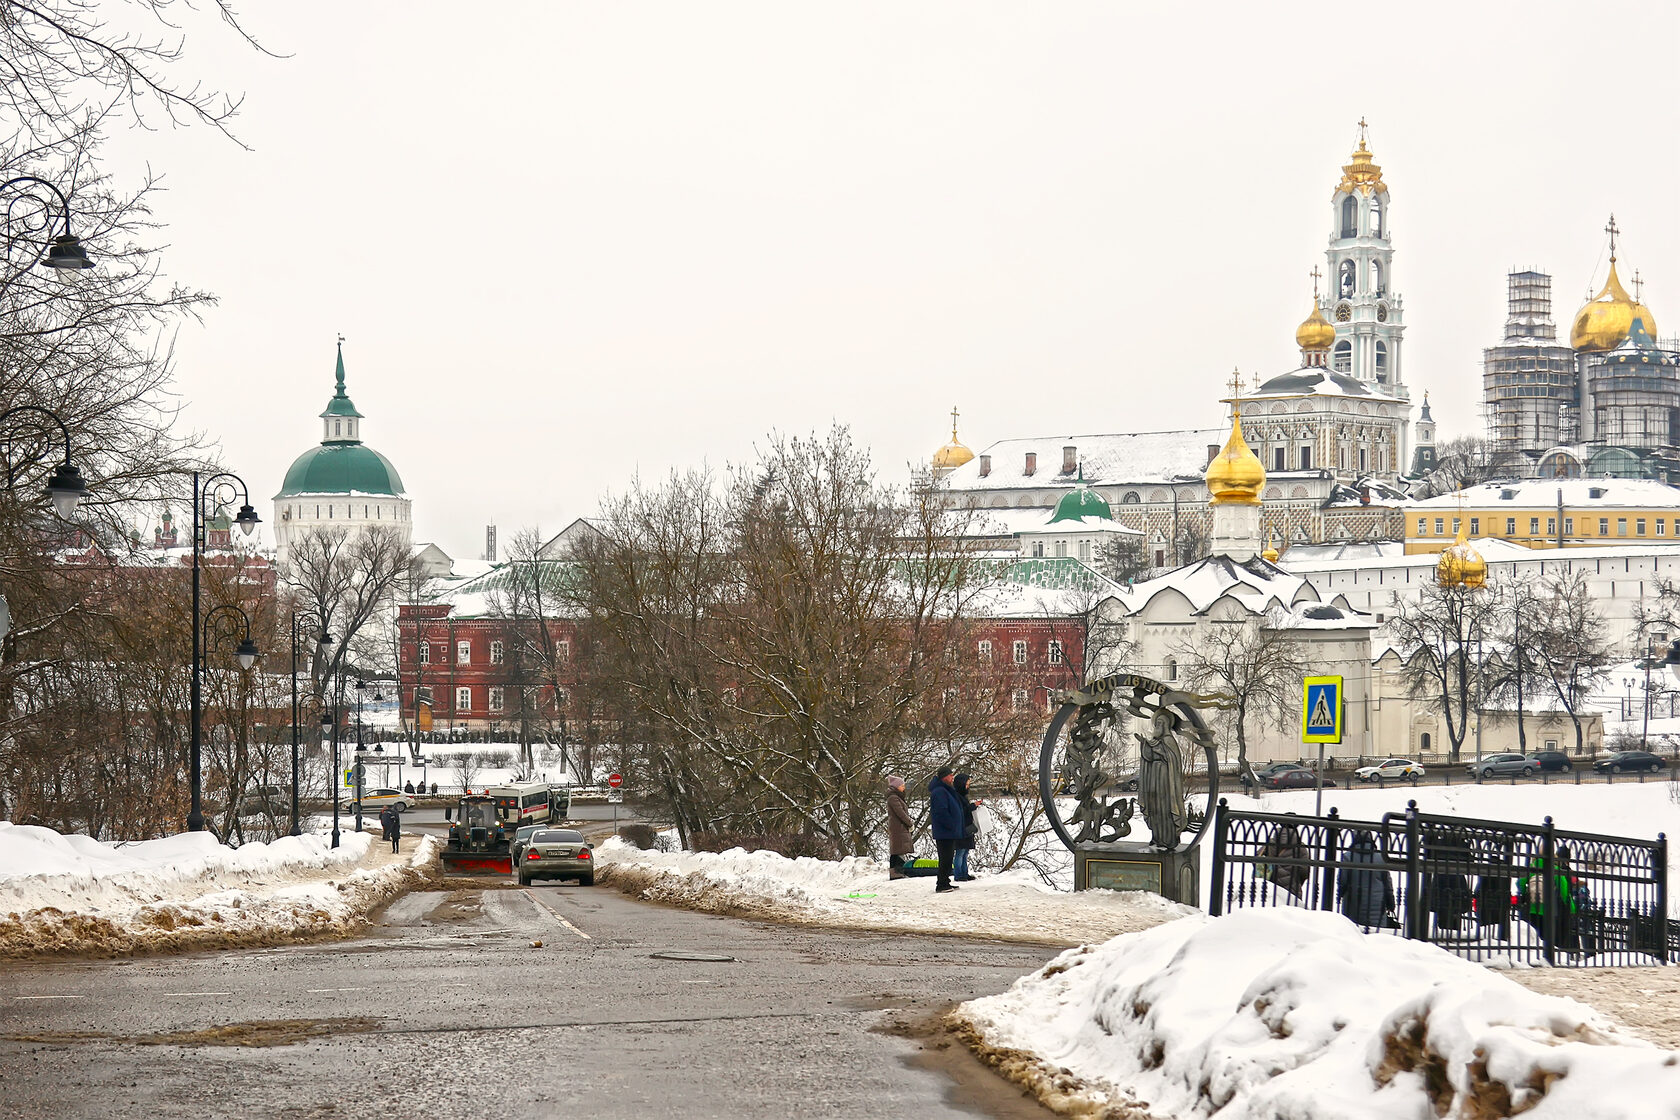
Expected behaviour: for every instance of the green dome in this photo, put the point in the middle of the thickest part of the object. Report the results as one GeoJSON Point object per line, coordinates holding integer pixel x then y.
{"type": "Point", "coordinates": [1079, 503]}
{"type": "Point", "coordinates": [341, 468]}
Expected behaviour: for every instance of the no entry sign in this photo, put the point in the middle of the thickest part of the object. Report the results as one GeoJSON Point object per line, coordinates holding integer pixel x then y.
{"type": "Point", "coordinates": [615, 780]}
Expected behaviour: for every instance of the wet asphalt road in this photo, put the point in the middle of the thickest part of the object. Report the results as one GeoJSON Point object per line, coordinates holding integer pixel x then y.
{"type": "Point", "coordinates": [447, 1010]}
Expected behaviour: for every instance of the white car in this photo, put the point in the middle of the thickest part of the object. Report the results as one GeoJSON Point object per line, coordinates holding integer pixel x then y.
{"type": "Point", "coordinates": [373, 800]}
{"type": "Point", "coordinates": [1392, 770]}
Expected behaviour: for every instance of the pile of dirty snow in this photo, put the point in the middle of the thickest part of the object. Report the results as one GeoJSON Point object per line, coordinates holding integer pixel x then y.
{"type": "Point", "coordinates": [856, 893]}
{"type": "Point", "coordinates": [1286, 1012]}
{"type": "Point", "coordinates": [74, 894]}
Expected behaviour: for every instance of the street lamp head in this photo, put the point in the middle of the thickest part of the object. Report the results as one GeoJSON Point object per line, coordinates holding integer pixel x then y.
{"type": "Point", "coordinates": [246, 519]}
{"type": "Point", "coordinates": [67, 258]}
{"type": "Point", "coordinates": [327, 722]}
{"type": "Point", "coordinates": [246, 654]}
{"type": "Point", "coordinates": [66, 488]}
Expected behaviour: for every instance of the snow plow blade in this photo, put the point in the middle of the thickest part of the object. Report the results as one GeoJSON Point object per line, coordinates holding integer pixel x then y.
{"type": "Point", "coordinates": [477, 863]}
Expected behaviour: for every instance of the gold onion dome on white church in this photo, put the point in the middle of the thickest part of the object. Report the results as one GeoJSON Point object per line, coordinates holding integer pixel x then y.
{"type": "Point", "coordinates": [1315, 332]}
{"type": "Point", "coordinates": [1606, 321]}
{"type": "Point", "coordinates": [1460, 565]}
{"type": "Point", "coordinates": [1236, 475]}
{"type": "Point", "coordinates": [953, 454]}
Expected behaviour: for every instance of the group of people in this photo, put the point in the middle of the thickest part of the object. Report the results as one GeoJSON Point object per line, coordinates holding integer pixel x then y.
{"type": "Point", "coordinates": [410, 787]}
{"type": "Point", "coordinates": [1365, 890]}
{"type": "Point", "coordinates": [953, 821]}
{"type": "Point", "coordinates": [390, 826]}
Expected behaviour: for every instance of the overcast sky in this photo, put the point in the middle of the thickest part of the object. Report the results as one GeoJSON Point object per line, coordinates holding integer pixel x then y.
{"type": "Point", "coordinates": [571, 242]}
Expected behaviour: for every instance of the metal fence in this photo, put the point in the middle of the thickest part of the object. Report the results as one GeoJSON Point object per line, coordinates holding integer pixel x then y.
{"type": "Point", "coordinates": [1490, 891]}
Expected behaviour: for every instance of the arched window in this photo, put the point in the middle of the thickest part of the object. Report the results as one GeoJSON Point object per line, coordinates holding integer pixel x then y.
{"type": "Point", "coordinates": [1169, 669]}
{"type": "Point", "coordinates": [1423, 744]}
{"type": "Point", "coordinates": [1341, 358]}
{"type": "Point", "coordinates": [1346, 281]}
{"type": "Point", "coordinates": [1382, 361]}
{"type": "Point", "coordinates": [1377, 285]}
{"type": "Point", "coordinates": [1376, 216]}
{"type": "Point", "coordinates": [338, 427]}
{"type": "Point", "coordinates": [425, 653]}
{"type": "Point", "coordinates": [1350, 217]}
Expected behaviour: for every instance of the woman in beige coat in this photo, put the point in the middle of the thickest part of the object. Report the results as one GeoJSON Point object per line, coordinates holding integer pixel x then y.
{"type": "Point", "coordinates": [899, 824]}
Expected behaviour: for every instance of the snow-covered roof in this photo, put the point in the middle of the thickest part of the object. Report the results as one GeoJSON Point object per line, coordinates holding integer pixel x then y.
{"type": "Point", "coordinates": [1108, 459]}
{"type": "Point", "coordinates": [1363, 552]}
{"type": "Point", "coordinates": [1493, 550]}
{"type": "Point", "coordinates": [1542, 493]}
{"type": "Point", "coordinates": [1259, 584]}
{"type": "Point", "coordinates": [1327, 616]}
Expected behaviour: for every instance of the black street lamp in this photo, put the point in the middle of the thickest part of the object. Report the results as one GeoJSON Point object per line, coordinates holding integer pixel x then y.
{"type": "Point", "coordinates": [65, 486]}
{"type": "Point", "coordinates": [218, 628]}
{"type": "Point", "coordinates": [323, 648]}
{"type": "Point", "coordinates": [29, 227]}
{"type": "Point", "coordinates": [361, 686]}
{"type": "Point", "coordinates": [212, 488]}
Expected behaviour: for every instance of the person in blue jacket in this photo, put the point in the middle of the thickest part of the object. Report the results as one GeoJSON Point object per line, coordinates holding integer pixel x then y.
{"type": "Point", "coordinates": [947, 822]}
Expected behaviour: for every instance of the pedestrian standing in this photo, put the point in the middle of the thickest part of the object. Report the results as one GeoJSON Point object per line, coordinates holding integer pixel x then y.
{"type": "Point", "coordinates": [964, 844]}
{"type": "Point", "coordinates": [1364, 887]}
{"type": "Point", "coordinates": [391, 821]}
{"type": "Point", "coordinates": [899, 848]}
{"type": "Point", "coordinates": [946, 818]}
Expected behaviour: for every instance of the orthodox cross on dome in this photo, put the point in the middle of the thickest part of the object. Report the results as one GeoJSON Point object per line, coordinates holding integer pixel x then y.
{"type": "Point", "coordinates": [1315, 275]}
{"type": "Point", "coordinates": [1611, 229]}
{"type": "Point", "coordinates": [1363, 128]}
{"type": "Point", "coordinates": [1636, 286]}
{"type": "Point", "coordinates": [953, 423]}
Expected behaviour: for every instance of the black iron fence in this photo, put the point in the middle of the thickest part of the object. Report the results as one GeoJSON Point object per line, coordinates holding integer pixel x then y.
{"type": "Point", "coordinates": [1490, 891]}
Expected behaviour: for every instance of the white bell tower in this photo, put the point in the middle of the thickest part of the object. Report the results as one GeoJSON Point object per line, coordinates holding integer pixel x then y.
{"type": "Point", "coordinates": [1361, 303]}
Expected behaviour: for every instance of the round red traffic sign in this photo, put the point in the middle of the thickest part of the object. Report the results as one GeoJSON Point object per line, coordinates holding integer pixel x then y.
{"type": "Point", "coordinates": [615, 780]}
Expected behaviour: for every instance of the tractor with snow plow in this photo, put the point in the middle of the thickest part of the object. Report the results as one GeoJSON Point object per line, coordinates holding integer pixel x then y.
{"type": "Point", "coordinates": [478, 838]}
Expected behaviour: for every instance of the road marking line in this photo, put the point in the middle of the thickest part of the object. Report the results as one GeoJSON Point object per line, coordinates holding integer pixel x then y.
{"type": "Point", "coordinates": [195, 993]}
{"type": "Point", "coordinates": [49, 997]}
{"type": "Point", "coordinates": [557, 916]}
{"type": "Point", "coordinates": [318, 991]}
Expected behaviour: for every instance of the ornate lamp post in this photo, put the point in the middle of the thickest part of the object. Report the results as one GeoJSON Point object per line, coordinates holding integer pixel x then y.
{"type": "Point", "coordinates": [29, 229]}
{"type": "Point", "coordinates": [219, 488]}
{"type": "Point", "coordinates": [323, 648]}
{"type": "Point", "coordinates": [218, 628]}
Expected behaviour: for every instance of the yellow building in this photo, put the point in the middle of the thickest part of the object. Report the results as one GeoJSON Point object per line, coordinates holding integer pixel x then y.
{"type": "Point", "coordinates": [1549, 513]}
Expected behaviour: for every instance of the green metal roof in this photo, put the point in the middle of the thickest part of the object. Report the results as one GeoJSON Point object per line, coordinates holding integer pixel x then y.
{"type": "Point", "coordinates": [1080, 502]}
{"type": "Point", "coordinates": [340, 468]}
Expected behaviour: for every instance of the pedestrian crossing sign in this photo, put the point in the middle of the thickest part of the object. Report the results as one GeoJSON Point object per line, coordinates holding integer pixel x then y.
{"type": "Point", "coordinates": [1321, 710]}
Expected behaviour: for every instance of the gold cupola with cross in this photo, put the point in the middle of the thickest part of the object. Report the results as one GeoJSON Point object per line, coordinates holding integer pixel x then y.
{"type": "Point", "coordinates": [1236, 475]}
{"type": "Point", "coordinates": [953, 454]}
{"type": "Point", "coordinates": [1607, 319]}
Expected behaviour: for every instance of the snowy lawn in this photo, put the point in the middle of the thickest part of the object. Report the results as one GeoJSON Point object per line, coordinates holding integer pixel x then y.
{"type": "Point", "coordinates": [856, 893]}
{"type": "Point", "coordinates": [1292, 1013]}
{"type": "Point", "coordinates": [73, 894]}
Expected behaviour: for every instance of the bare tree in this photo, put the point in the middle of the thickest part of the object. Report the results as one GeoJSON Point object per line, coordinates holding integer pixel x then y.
{"type": "Point", "coordinates": [1570, 644]}
{"type": "Point", "coordinates": [1460, 462]}
{"type": "Point", "coordinates": [1439, 636]}
{"type": "Point", "coordinates": [1256, 663]}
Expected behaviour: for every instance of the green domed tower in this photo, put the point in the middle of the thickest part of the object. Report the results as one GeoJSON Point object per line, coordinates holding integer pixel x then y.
{"type": "Point", "coordinates": [340, 483]}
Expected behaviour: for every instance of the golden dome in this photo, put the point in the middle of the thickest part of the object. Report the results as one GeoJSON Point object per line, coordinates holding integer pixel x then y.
{"type": "Point", "coordinates": [953, 454]}
{"type": "Point", "coordinates": [1605, 322]}
{"type": "Point", "coordinates": [1270, 553]}
{"type": "Point", "coordinates": [1315, 333]}
{"type": "Point", "coordinates": [1236, 475]}
{"type": "Point", "coordinates": [1460, 565]}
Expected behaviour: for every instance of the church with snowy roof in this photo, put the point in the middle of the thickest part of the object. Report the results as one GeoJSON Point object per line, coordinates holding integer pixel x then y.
{"type": "Point", "coordinates": [341, 482]}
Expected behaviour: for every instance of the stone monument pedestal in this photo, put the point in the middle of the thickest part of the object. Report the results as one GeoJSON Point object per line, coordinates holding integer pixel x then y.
{"type": "Point", "coordinates": [1139, 867]}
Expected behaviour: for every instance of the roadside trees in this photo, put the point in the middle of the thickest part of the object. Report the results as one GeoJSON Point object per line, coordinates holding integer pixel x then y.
{"type": "Point", "coordinates": [1569, 644]}
{"type": "Point", "coordinates": [1256, 663]}
{"type": "Point", "coordinates": [1438, 637]}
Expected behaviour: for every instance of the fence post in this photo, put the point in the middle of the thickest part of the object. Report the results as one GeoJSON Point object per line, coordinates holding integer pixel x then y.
{"type": "Point", "coordinates": [1327, 885]}
{"type": "Point", "coordinates": [1216, 885]}
{"type": "Point", "coordinates": [1549, 900]}
{"type": "Point", "coordinates": [1416, 916]}
{"type": "Point", "coordinates": [1661, 872]}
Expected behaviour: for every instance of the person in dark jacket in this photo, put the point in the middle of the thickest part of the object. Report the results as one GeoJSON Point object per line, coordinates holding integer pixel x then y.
{"type": "Point", "coordinates": [408, 787]}
{"type": "Point", "coordinates": [899, 848]}
{"type": "Point", "coordinates": [390, 822]}
{"type": "Point", "coordinates": [1284, 843]}
{"type": "Point", "coordinates": [965, 843]}
{"type": "Point", "coordinates": [946, 815]}
{"type": "Point", "coordinates": [1365, 889]}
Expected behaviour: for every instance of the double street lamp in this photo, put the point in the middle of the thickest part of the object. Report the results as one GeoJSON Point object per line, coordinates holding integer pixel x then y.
{"type": "Point", "coordinates": [220, 489]}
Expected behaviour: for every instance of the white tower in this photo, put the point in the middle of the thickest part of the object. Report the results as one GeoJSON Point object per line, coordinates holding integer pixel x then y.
{"type": "Point", "coordinates": [1361, 302]}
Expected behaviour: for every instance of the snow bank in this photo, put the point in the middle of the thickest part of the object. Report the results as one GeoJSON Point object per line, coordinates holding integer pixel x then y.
{"type": "Point", "coordinates": [856, 893]}
{"type": "Point", "coordinates": [73, 894]}
{"type": "Point", "coordinates": [1271, 1013]}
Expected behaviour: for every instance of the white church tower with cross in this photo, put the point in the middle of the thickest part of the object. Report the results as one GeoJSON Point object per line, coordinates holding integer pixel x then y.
{"type": "Point", "coordinates": [1361, 302]}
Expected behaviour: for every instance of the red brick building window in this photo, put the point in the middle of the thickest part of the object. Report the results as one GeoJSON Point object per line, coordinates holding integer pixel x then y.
{"type": "Point", "coordinates": [463, 699]}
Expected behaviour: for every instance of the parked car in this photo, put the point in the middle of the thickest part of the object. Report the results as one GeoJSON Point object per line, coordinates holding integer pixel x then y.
{"type": "Point", "coordinates": [556, 853]}
{"type": "Point", "coordinates": [1628, 761]}
{"type": "Point", "coordinates": [374, 800]}
{"type": "Point", "coordinates": [1266, 772]}
{"type": "Point", "coordinates": [516, 847]}
{"type": "Point", "coordinates": [1390, 770]}
{"type": "Point", "coordinates": [1501, 765]}
{"type": "Point", "coordinates": [1554, 760]}
{"type": "Point", "coordinates": [1297, 777]}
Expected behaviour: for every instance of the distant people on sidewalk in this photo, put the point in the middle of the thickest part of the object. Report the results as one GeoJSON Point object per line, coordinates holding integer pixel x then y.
{"type": "Point", "coordinates": [391, 822]}
{"type": "Point", "coordinates": [899, 824]}
{"type": "Point", "coordinates": [408, 787]}
{"type": "Point", "coordinates": [946, 813]}
{"type": "Point", "coordinates": [965, 843]}
{"type": "Point", "coordinates": [1364, 887]}
{"type": "Point", "coordinates": [1285, 843]}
